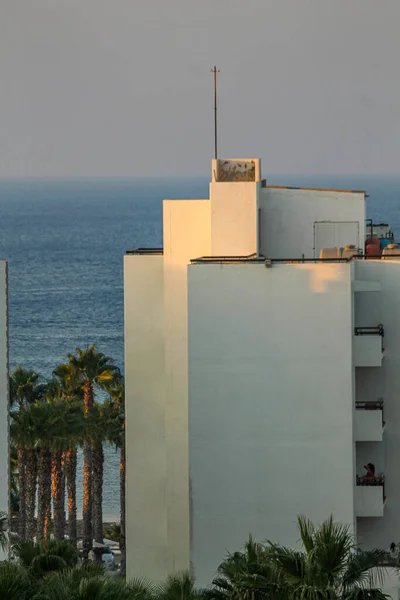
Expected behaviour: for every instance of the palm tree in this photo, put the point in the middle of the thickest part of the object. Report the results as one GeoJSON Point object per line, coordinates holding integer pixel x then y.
{"type": "Point", "coordinates": [26, 552]}
{"type": "Point", "coordinates": [70, 466]}
{"type": "Point", "coordinates": [15, 583]}
{"type": "Point", "coordinates": [116, 435]}
{"type": "Point", "coordinates": [14, 498]}
{"type": "Point", "coordinates": [25, 388]}
{"type": "Point", "coordinates": [72, 394]}
{"type": "Point", "coordinates": [247, 575]}
{"type": "Point", "coordinates": [90, 369]}
{"type": "Point", "coordinates": [23, 434]}
{"type": "Point", "coordinates": [88, 581]}
{"type": "Point", "coordinates": [329, 566]}
{"type": "Point", "coordinates": [45, 439]}
{"type": "Point", "coordinates": [3, 530]}
{"type": "Point", "coordinates": [97, 433]}
{"type": "Point", "coordinates": [31, 428]}
{"type": "Point", "coordinates": [67, 428]}
{"type": "Point", "coordinates": [179, 586]}
{"type": "Point", "coordinates": [49, 423]}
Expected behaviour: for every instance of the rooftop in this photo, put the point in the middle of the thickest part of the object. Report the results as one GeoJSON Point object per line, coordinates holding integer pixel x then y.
{"type": "Point", "coordinates": [311, 189]}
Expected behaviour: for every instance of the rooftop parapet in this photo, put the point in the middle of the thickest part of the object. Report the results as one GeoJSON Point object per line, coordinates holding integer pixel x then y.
{"type": "Point", "coordinates": [236, 170]}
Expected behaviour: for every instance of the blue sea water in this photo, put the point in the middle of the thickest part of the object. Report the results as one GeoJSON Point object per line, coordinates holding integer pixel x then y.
{"type": "Point", "coordinates": [65, 242]}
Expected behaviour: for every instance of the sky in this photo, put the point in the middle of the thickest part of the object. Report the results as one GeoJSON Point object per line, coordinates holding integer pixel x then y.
{"type": "Point", "coordinates": [124, 88]}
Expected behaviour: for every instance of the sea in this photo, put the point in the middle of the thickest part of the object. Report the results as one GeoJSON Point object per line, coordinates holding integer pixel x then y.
{"type": "Point", "coordinates": [65, 241]}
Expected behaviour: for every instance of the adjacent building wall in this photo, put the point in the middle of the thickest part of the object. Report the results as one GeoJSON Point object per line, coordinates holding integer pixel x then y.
{"type": "Point", "coordinates": [4, 396]}
{"type": "Point", "coordinates": [373, 308]}
{"type": "Point", "coordinates": [146, 471]}
{"type": "Point", "coordinates": [271, 403]}
{"type": "Point", "coordinates": [186, 235]}
{"type": "Point", "coordinates": [288, 217]}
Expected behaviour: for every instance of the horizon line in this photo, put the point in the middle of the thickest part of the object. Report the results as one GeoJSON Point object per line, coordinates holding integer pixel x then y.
{"type": "Point", "coordinates": [175, 176]}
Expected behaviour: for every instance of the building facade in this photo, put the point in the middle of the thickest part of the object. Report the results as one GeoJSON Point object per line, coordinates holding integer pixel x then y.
{"type": "Point", "coordinates": [261, 365]}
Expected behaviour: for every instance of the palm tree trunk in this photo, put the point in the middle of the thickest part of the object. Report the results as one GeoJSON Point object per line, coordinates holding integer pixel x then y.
{"type": "Point", "coordinates": [57, 494]}
{"type": "Point", "coordinates": [122, 542]}
{"type": "Point", "coordinates": [30, 492]}
{"type": "Point", "coordinates": [87, 500]}
{"type": "Point", "coordinates": [44, 494]}
{"type": "Point", "coordinates": [21, 490]}
{"type": "Point", "coordinates": [70, 471]}
{"type": "Point", "coordinates": [98, 469]}
{"type": "Point", "coordinates": [87, 476]}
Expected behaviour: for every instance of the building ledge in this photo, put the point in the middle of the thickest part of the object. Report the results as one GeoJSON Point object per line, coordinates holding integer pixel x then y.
{"type": "Point", "coordinates": [314, 189]}
{"type": "Point", "coordinates": [146, 251]}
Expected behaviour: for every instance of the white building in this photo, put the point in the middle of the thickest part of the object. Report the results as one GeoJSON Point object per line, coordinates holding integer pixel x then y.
{"type": "Point", "coordinates": [271, 382]}
{"type": "Point", "coordinates": [4, 398]}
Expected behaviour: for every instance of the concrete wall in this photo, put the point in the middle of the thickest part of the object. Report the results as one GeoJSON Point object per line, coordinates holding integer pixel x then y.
{"type": "Point", "coordinates": [288, 217]}
{"type": "Point", "coordinates": [368, 426]}
{"type": "Point", "coordinates": [369, 501]}
{"type": "Point", "coordinates": [186, 236]}
{"type": "Point", "coordinates": [234, 218]}
{"type": "Point", "coordinates": [146, 474]}
{"type": "Point", "coordinates": [373, 308]}
{"type": "Point", "coordinates": [4, 396]}
{"type": "Point", "coordinates": [367, 351]}
{"type": "Point", "coordinates": [271, 403]}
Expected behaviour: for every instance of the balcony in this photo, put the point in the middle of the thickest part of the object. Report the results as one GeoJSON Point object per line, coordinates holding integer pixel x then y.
{"type": "Point", "coordinates": [369, 423]}
{"type": "Point", "coordinates": [370, 497]}
{"type": "Point", "coordinates": [368, 346]}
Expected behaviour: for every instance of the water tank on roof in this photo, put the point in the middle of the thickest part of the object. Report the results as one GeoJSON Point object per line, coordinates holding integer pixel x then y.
{"type": "Point", "coordinates": [384, 242]}
{"type": "Point", "coordinates": [371, 240]}
{"type": "Point", "coordinates": [372, 246]}
{"type": "Point", "coordinates": [372, 250]}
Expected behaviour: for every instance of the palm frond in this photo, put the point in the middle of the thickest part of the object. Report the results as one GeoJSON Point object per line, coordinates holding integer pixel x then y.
{"type": "Point", "coordinates": [45, 563]}
{"type": "Point", "coordinates": [14, 583]}
{"type": "Point", "coordinates": [307, 531]}
{"type": "Point", "coordinates": [290, 563]}
{"type": "Point", "coordinates": [333, 544]}
{"type": "Point", "coordinates": [179, 586]}
{"type": "Point", "coordinates": [364, 568]}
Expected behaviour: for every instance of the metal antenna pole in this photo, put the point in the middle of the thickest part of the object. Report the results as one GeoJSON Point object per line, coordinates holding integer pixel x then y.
{"type": "Point", "coordinates": [215, 71]}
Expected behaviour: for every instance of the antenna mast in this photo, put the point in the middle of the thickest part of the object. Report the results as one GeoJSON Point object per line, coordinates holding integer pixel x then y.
{"type": "Point", "coordinates": [215, 71]}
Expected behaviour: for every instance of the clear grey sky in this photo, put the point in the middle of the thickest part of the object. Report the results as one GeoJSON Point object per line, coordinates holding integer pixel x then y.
{"type": "Point", "coordinates": [123, 87]}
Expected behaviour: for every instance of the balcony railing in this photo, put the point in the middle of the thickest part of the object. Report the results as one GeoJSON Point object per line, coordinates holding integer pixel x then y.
{"type": "Point", "coordinates": [368, 346]}
{"type": "Point", "coordinates": [371, 481]}
{"type": "Point", "coordinates": [375, 330]}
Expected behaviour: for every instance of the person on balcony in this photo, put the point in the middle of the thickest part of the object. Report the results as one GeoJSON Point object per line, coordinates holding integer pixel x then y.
{"type": "Point", "coordinates": [370, 475]}
{"type": "Point", "coordinates": [394, 553]}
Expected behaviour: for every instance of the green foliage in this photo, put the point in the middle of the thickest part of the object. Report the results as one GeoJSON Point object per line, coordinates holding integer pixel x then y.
{"type": "Point", "coordinates": [112, 532]}
{"type": "Point", "coordinates": [46, 563]}
{"type": "Point", "coordinates": [89, 583]}
{"type": "Point", "coordinates": [15, 583]}
{"type": "Point", "coordinates": [246, 574]}
{"type": "Point", "coordinates": [26, 386]}
{"type": "Point", "coordinates": [3, 530]}
{"type": "Point", "coordinates": [180, 586]}
{"type": "Point", "coordinates": [88, 365]}
{"type": "Point", "coordinates": [26, 552]}
{"type": "Point", "coordinates": [329, 566]}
